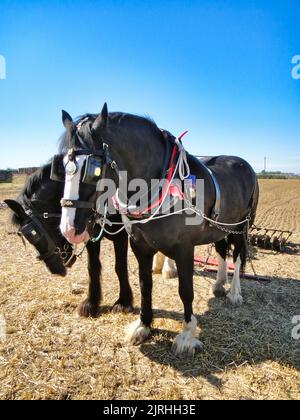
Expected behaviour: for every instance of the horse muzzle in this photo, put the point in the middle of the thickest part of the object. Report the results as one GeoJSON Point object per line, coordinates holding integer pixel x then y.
{"type": "Point", "coordinates": [74, 238]}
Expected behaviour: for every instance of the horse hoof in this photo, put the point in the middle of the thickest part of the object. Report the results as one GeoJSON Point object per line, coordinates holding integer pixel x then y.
{"type": "Point", "coordinates": [87, 310]}
{"type": "Point", "coordinates": [235, 299]}
{"type": "Point", "coordinates": [185, 344]}
{"type": "Point", "coordinates": [219, 291]}
{"type": "Point", "coordinates": [137, 332]}
{"type": "Point", "coordinates": [120, 308]}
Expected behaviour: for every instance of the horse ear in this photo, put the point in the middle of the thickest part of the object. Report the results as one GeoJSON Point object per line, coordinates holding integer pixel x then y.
{"type": "Point", "coordinates": [104, 113]}
{"type": "Point", "coordinates": [16, 208]}
{"type": "Point", "coordinates": [101, 120]}
{"type": "Point", "coordinates": [67, 120]}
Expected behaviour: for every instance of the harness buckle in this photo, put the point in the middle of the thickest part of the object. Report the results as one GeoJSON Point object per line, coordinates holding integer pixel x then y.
{"type": "Point", "coordinates": [45, 215]}
{"type": "Point", "coordinates": [113, 165]}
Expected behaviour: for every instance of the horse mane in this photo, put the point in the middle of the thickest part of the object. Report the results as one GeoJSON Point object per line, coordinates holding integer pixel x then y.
{"type": "Point", "coordinates": [114, 119]}
{"type": "Point", "coordinates": [34, 181]}
{"type": "Point", "coordinates": [31, 185]}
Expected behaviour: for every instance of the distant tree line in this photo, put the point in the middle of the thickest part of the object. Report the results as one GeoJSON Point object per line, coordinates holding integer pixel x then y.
{"type": "Point", "coordinates": [276, 175]}
{"type": "Point", "coordinates": [5, 176]}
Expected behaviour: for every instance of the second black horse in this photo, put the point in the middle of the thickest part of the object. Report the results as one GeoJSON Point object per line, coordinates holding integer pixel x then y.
{"type": "Point", "coordinates": [37, 213]}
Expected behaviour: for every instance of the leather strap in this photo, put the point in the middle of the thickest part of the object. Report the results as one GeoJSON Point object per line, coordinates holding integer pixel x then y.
{"type": "Point", "coordinates": [76, 204]}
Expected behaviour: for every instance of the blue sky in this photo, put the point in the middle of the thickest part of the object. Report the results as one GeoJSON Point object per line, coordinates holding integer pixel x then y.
{"type": "Point", "coordinates": [221, 69]}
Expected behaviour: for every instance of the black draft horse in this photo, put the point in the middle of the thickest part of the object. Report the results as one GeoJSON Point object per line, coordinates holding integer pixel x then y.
{"type": "Point", "coordinates": [136, 145]}
{"type": "Point", "coordinates": [37, 213]}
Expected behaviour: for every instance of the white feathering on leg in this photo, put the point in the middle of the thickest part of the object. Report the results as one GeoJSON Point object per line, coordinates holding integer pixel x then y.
{"type": "Point", "coordinates": [235, 294]}
{"type": "Point", "coordinates": [222, 278]}
{"type": "Point", "coordinates": [158, 263]}
{"type": "Point", "coordinates": [169, 270]}
{"type": "Point", "coordinates": [137, 332]}
{"type": "Point", "coordinates": [186, 341]}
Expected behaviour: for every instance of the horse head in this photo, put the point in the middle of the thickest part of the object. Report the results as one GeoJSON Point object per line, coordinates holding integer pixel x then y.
{"type": "Point", "coordinates": [37, 214]}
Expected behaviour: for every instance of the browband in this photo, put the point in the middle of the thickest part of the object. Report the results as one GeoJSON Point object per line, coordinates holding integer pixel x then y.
{"type": "Point", "coordinates": [87, 152]}
{"type": "Point", "coordinates": [77, 204]}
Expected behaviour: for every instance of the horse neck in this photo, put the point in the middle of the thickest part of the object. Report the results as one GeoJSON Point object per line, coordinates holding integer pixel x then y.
{"type": "Point", "coordinates": [140, 154]}
{"type": "Point", "coordinates": [47, 193]}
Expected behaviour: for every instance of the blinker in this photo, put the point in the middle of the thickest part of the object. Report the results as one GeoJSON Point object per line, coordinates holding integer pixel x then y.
{"type": "Point", "coordinates": [93, 170]}
{"type": "Point", "coordinates": [31, 233]}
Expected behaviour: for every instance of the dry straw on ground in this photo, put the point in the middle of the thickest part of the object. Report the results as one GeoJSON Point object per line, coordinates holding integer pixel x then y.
{"type": "Point", "coordinates": [50, 353]}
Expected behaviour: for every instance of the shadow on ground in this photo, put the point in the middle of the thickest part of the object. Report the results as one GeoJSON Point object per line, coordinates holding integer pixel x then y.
{"type": "Point", "coordinates": [258, 331]}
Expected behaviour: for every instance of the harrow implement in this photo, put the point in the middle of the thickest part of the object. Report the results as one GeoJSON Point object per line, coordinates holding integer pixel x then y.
{"type": "Point", "coordinates": [267, 238]}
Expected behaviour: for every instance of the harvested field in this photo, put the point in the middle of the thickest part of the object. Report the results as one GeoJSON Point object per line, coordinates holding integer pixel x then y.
{"type": "Point", "coordinates": [279, 206]}
{"type": "Point", "coordinates": [249, 353]}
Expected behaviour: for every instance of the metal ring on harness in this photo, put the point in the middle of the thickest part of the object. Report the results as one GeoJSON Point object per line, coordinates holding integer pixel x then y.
{"type": "Point", "coordinates": [34, 231]}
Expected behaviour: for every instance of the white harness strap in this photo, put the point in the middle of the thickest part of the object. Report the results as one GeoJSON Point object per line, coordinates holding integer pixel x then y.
{"type": "Point", "coordinates": [183, 166]}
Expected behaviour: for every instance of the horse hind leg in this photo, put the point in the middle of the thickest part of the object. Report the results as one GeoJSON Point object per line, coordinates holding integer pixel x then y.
{"type": "Point", "coordinates": [158, 263]}
{"type": "Point", "coordinates": [169, 270]}
{"type": "Point", "coordinates": [239, 258]}
{"type": "Point", "coordinates": [235, 294]}
{"type": "Point", "coordinates": [222, 278]}
{"type": "Point", "coordinates": [164, 265]}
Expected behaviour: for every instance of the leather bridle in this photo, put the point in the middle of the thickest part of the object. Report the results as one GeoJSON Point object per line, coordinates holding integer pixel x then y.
{"type": "Point", "coordinates": [105, 160]}
{"type": "Point", "coordinates": [108, 162]}
{"type": "Point", "coordinates": [34, 231]}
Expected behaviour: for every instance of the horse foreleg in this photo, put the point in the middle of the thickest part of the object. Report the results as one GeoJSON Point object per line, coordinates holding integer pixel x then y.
{"type": "Point", "coordinates": [139, 330]}
{"type": "Point", "coordinates": [125, 301]}
{"type": "Point", "coordinates": [90, 307]}
{"type": "Point", "coordinates": [186, 342]}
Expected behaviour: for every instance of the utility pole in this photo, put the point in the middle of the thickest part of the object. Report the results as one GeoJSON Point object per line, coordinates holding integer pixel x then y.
{"type": "Point", "coordinates": [265, 164]}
